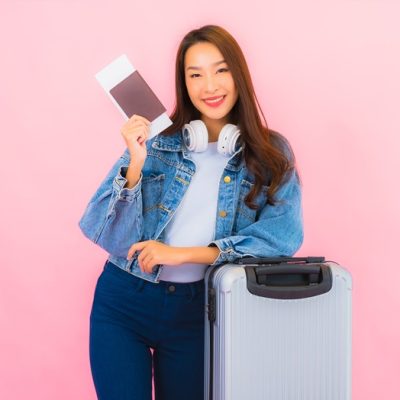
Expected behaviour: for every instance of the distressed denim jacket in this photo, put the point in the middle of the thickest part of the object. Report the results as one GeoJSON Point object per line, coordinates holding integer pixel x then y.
{"type": "Point", "coordinates": [116, 217]}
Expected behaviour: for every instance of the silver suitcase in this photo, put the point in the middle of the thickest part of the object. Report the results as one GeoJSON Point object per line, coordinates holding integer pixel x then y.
{"type": "Point", "coordinates": [278, 329]}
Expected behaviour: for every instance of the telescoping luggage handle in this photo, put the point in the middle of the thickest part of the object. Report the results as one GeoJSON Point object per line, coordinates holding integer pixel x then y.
{"type": "Point", "coordinates": [287, 277]}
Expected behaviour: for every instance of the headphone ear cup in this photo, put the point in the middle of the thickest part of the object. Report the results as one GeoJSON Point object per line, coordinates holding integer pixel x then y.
{"type": "Point", "coordinates": [195, 136]}
{"type": "Point", "coordinates": [227, 139]}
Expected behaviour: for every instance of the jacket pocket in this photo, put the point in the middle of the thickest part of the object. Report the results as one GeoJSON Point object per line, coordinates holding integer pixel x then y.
{"type": "Point", "coordinates": [245, 215]}
{"type": "Point", "coordinates": [152, 190]}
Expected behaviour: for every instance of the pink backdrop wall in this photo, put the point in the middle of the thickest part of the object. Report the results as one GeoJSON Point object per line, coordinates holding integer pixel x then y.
{"type": "Point", "coordinates": [327, 76]}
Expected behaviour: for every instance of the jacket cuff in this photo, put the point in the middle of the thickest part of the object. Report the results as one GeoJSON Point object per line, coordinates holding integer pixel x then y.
{"type": "Point", "coordinates": [119, 182]}
{"type": "Point", "coordinates": [227, 253]}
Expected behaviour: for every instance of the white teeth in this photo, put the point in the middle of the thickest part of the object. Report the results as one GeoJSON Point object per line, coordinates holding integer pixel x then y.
{"type": "Point", "coordinates": [214, 101]}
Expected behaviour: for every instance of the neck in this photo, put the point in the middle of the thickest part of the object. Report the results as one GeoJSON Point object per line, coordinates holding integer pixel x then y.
{"type": "Point", "coordinates": [214, 127]}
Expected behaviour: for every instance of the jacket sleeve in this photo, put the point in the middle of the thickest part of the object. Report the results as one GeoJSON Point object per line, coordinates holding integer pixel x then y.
{"type": "Point", "coordinates": [277, 232]}
{"type": "Point", "coordinates": [113, 218]}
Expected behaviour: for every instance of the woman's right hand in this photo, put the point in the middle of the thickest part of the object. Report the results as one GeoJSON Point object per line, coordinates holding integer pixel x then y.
{"type": "Point", "coordinates": [135, 133]}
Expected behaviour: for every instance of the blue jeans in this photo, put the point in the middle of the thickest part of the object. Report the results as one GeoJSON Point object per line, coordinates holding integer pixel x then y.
{"type": "Point", "coordinates": [129, 317]}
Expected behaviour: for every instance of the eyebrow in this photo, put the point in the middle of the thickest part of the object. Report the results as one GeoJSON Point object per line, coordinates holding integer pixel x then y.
{"type": "Point", "coordinates": [216, 63]}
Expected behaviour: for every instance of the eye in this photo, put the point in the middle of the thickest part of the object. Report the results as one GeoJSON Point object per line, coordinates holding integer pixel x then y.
{"type": "Point", "coordinates": [223, 69]}
{"type": "Point", "coordinates": [193, 75]}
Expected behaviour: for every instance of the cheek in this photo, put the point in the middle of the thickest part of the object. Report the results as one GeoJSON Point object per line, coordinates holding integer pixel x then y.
{"type": "Point", "coordinates": [195, 98]}
{"type": "Point", "coordinates": [193, 87]}
{"type": "Point", "coordinates": [233, 88]}
{"type": "Point", "coordinates": [229, 82]}
{"type": "Point", "coordinates": [192, 97]}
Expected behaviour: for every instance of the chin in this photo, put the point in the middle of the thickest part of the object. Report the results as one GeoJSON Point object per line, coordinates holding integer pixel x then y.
{"type": "Point", "coordinates": [217, 114]}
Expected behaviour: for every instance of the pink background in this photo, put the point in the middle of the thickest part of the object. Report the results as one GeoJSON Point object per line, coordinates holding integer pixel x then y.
{"type": "Point", "coordinates": [327, 76]}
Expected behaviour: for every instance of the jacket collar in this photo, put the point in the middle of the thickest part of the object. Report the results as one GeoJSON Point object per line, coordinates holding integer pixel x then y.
{"type": "Point", "coordinates": [171, 142]}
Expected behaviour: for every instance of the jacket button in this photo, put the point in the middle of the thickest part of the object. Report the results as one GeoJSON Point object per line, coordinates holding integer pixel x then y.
{"type": "Point", "coordinates": [227, 179]}
{"type": "Point", "coordinates": [222, 214]}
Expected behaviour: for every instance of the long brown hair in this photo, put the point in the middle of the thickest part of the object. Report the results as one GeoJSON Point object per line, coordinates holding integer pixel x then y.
{"type": "Point", "coordinates": [267, 154]}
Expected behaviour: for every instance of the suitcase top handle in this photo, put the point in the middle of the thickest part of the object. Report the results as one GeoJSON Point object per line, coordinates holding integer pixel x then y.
{"type": "Point", "coordinates": [288, 280]}
{"type": "Point", "coordinates": [280, 260]}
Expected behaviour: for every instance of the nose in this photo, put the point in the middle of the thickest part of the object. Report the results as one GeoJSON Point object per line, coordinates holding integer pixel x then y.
{"type": "Point", "coordinates": [211, 84]}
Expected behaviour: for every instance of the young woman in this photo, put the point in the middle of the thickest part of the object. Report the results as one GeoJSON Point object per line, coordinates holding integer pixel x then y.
{"type": "Point", "coordinates": [217, 185]}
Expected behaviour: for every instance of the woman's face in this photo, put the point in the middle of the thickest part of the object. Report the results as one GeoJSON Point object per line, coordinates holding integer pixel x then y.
{"type": "Point", "coordinates": [207, 76]}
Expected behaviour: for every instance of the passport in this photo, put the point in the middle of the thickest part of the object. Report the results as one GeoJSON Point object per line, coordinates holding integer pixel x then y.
{"type": "Point", "coordinates": [131, 94]}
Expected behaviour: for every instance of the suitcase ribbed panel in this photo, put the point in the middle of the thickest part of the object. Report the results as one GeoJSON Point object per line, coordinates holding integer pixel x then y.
{"type": "Point", "coordinates": [272, 349]}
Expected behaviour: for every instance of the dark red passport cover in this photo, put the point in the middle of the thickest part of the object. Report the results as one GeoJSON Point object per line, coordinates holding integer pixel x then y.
{"type": "Point", "coordinates": [134, 96]}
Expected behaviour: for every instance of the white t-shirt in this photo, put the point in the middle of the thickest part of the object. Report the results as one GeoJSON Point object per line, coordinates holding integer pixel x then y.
{"type": "Point", "coordinates": [193, 223]}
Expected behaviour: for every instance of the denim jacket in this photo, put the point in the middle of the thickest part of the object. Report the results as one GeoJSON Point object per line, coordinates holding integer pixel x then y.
{"type": "Point", "coordinates": [116, 217]}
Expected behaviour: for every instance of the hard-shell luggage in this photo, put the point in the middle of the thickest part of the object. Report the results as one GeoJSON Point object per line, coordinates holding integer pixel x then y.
{"type": "Point", "coordinates": [278, 329]}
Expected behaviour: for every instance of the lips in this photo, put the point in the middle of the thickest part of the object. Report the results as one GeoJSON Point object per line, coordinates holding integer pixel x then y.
{"type": "Point", "coordinates": [214, 101]}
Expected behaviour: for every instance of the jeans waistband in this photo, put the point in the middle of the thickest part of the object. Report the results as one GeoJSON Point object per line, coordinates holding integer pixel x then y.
{"type": "Point", "coordinates": [177, 288]}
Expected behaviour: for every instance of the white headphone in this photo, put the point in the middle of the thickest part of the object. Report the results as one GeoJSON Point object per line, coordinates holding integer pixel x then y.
{"type": "Point", "coordinates": [195, 136]}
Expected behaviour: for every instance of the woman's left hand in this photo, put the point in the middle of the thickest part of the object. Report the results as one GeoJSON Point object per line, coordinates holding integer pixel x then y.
{"type": "Point", "coordinates": [153, 253]}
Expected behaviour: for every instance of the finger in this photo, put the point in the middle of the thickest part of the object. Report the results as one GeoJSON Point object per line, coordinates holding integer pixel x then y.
{"type": "Point", "coordinates": [142, 256]}
{"type": "Point", "coordinates": [142, 139]}
{"type": "Point", "coordinates": [139, 136]}
{"type": "Point", "coordinates": [147, 260]}
{"type": "Point", "coordinates": [141, 266]}
{"type": "Point", "coordinates": [135, 122]}
{"type": "Point", "coordinates": [144, 268]}
{"type": "Point", "coordinates": [136, 131]}
{"type": "Point", "coordinates": [136, 247]}
{"type": "Point", "coordinates": [138, 122]}
{"type": "Point", "coordinates": [149, 265]}
{"type": "Point", "coordinates": [136, 117]}
{"type": "Point", "coordinates": [131, 252]}
{"type": "Point", "coordinates": [133, 136]}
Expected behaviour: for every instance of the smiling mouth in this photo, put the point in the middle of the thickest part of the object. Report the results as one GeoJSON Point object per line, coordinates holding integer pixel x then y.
{"type": "Point", "coordinates": [215, 101]}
